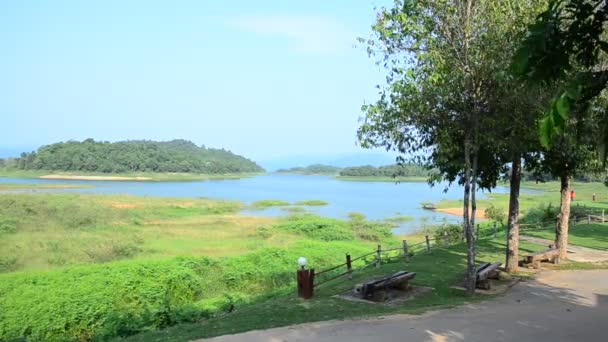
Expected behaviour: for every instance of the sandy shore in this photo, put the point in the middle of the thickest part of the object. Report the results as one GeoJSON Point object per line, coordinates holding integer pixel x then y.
{"type": "Point", "coordinates": [458, 212]}
{"type": "Point", "coordinates": [96, 178]}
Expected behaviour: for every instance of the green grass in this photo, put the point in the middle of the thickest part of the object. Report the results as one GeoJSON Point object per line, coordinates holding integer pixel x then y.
{"type": "Point", "coordinates": [440, 270]}
{"type": "Point", "coordinates": [264, 204]}
{"type": "Point", "coordinates": [312, 203]}
{"type": "Point", "coordinates": [145, 176]}
{"type": "Point", "coordinates": [593, 235]}
{"type": "Point", "coordinates": [548, 194]}
{"type": "Point", "coordinates": [13, 186]}
{"type": "Point", "coordinates": [381, 179]}
{"type": "Point", "coordinates": [79, 266]}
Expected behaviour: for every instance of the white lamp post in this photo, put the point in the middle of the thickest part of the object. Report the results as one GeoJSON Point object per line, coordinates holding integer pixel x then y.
{"type": "Point", "coordinates": [302, 262]}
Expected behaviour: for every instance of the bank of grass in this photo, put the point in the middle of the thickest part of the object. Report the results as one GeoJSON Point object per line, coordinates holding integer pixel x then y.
{"type": "Point", "coordinates": [265, 204]}
{"type": "Point", "coordinates": [312, 203]}
{"type": "Point", "coordinates": [128, 176]}
{"type": "Point", "coordinates": [593, 235]}
{"type": "Point", "coordinates": [382, 179]}
{"type": "Point", "coordinates": [81, 267]}
{"type": "Point", "coordinates": [440, 270]}
{"type": "Point", "coordinates": [23, 186]}
{"type": "Point", "coordinates": [544, 193]}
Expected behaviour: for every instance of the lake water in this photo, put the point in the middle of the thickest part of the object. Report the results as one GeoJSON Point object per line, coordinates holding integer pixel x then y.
{"type": "Point", "coordinates": [376, 200]}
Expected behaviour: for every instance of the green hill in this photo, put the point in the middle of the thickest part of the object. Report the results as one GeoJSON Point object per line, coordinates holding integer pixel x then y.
{"type": "Point", "coordinates": [132, 156]}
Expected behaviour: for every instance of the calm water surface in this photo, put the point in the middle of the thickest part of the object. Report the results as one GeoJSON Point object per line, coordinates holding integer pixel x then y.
{"type": "Point", "coordinates": [376, 200]}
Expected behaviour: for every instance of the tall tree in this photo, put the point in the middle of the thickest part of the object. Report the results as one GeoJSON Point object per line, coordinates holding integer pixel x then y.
{"type": "Point", "coordinates": [566, 46]}
{"type": "Point", "coordinates": [445, 62]}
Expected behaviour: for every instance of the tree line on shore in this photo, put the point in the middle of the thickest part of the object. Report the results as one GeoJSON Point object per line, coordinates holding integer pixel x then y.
{"type": "Point", "coordinates": [131, 156]}
{"type": "Point", "coordinates": [480, 90]}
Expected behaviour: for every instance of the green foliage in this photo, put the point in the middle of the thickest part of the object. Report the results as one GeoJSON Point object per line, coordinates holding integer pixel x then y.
{"type": "Point", "coordinates": [495, 214]}
{"type": "Point", "coordinates": [135, 156]}
{"type": "Point", "coordinates": [123, 298]}
{"type": "Point", "coordinates": [453, 232]}
{"type": "Point", "coordinates": [397, 170]}
{"type": "Point", "coordinates": [316, 169]}
{"type": "Point", "coordinates": [312, 203]}
{"type": "Point", "coordinates": [263, 204]}
{"type": "Point", "coordinates": [318, 228]}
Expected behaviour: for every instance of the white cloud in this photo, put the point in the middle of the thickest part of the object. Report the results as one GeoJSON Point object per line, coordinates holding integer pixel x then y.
{"type": "Point", "coordinates": [308, 34]}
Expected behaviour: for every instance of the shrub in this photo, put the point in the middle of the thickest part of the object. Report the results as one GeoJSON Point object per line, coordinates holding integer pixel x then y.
{"type": "Point", "coordinates": [312, 203]}
{"type": "Point", "coordinates": [495, 214]}
{"type": "Point", "coordinates": [263, 204]}
{"type": "Point", "coordinates": [8, 226]}
{"type": "Point", "coordinates": [318, 228]}
{"type": "Point", "coordinates": [452, 231]}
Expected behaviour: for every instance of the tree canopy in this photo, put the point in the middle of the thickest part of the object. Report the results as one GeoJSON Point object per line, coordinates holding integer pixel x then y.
{"type": "Point", "coordinates": [134, 156]}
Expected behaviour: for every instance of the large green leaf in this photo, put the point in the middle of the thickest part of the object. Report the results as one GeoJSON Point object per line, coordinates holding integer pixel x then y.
{"type": "Point", "coordinates": [545, 127]}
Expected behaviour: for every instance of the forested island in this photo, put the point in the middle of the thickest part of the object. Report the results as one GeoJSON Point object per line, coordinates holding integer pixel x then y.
{"type": "Point", "coordinates": [365, 172]}
{"type": "Point", "coordinates": [90, 156]}
{"type": "Point", "coordinates": [315, 169]}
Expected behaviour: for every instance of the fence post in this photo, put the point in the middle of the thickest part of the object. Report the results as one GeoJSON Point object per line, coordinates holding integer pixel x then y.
{"type": "Point", "coordinates": [603, 216]}
{"type": "Point", "coordinates": [446, 244]}
{"type": "Point", "coordinates": [428, 244]}
{"type": "Point", "coordinates": [477, 238]}
{"type": "Point", "coordinates": [588, 219]}
{"type": "Point", "coordinates": [349, 266]}
{"type": "Point", "coordinates": [405, 252]}
{"type": "Point", "coordinates": [378, 256]}
{"type": "Point", "coordinates": [495, 229]}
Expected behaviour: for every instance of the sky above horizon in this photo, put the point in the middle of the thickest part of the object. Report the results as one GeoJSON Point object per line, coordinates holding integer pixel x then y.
{"type": "Point", "coordinates": [265, 79]}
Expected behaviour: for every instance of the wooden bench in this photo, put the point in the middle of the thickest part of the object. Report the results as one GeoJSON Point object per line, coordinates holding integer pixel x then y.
{"type": "Point", "coordinates": [535, 259]}
{"type": "Point", "coordinates": [375, 290]}
{"type": "Point", "coordinates": [484, 273]}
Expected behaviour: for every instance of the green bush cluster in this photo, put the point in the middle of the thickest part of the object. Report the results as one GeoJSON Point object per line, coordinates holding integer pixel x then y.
{"type": "Point", "coordinates": [453, 232]}
{"type": "Point", "coordinates": [124, 298]}
{"type": "Point", "coordinates": [495, 214]}
{"type": "Point", "coordinates": [546, 214]}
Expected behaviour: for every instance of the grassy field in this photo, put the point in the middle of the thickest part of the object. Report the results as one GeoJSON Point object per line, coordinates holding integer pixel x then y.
{"type": "Point", "coordinates": [439, 270]}
{"type": "Point", "coordinates": [79, 266]}
{"type": "Point", "coordinates": [544, 194]}
{"type": "Point", "coordinates": [97, 267]}
{"type": "Point", "coordinates": [143, 176]}
{"type": "Point", "coordinates": [381, 179]}
{"type": "Point", "coordinates": [593, 235]}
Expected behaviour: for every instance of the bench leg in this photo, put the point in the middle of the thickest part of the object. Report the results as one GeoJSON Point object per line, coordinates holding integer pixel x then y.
{"type": "Point", "coordinates": [403, 286]}
{"type": "Point", "coordinates": [556, 260]}
{"type": "Point", "coordinates": [379, 296]}
{"type": "Point", "coordinates": [483, 284]}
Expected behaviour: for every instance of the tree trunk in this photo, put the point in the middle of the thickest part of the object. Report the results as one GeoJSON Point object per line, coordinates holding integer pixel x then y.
{"type": "Point", "coordinates": [471, 278]}
{"type": "Point", "coordinates": [473, 195]}
{"type": "Point", "coordinates": [561, 233]}
{"type": "Point", "coordinates": [513, 221]}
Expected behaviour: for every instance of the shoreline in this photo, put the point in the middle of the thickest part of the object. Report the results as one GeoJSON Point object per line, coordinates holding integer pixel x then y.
{"type": "Point", "coordinates": [479, 214]}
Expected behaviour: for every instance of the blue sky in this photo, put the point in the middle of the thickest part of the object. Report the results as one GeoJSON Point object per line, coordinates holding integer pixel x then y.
{"type": "Point", "coordinates": [267, 79]}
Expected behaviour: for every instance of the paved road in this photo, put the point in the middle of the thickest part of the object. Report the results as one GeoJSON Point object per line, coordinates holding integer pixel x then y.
{"type": "Point", "coordinates": [557, 306]}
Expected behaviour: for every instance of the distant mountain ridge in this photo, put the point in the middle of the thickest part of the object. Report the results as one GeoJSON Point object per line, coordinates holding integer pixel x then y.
{"type": "Point", "coordinates": [178, 156]}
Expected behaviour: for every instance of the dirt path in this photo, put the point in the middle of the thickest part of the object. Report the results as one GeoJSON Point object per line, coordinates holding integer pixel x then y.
{"type": "Point", "coordinates": [557, 306]}
{"type": "Point", "coordinates": [576, 253]}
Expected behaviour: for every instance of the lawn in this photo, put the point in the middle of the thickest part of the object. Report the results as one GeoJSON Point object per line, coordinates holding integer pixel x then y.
{"type": "Point", "coordinates": [440, 270]}
{"type": "Point", "coordinates": [593, 235]}
{"type": "Point", "coordinates": [542, 194]}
